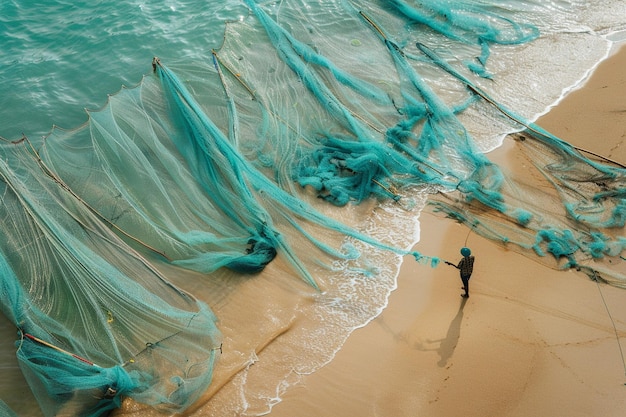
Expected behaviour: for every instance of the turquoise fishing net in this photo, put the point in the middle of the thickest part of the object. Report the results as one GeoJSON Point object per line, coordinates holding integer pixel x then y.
{"type": "Point", "coordinates": [570, 211]}
{"type": "Point", "coordinates": [5, 410]}
{"type": "Point", "coordinates": [96, 322]}
{"type": "Point", "coordinates": [209, 206]}
{"type": "Point", "coordinates": [575, 222]}
{"type": "Point", "coordinates": [245, 158]}
{"type": "Point", "coordinates": [131, 149]}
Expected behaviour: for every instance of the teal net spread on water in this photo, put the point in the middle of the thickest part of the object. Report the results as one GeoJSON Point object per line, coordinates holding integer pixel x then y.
{"type": "Point", "coordinates": [223, 163]}
{"type": "Point", "coordinates": [96, 322]}
{"type": "Point", "coordinates": [209, 207]}
{"type": "Point", "coordinates": [5, 410]}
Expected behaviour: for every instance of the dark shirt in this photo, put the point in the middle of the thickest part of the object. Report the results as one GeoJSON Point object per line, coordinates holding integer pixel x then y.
{"type": "Point", "coordinates": [466, 265]}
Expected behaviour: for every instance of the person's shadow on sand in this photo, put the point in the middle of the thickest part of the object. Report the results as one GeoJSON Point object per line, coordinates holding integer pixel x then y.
{"type": "Point", "coordinates": [447, 345]}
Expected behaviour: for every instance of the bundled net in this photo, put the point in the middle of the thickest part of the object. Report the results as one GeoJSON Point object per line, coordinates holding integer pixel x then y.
{"type": "Point", "coordinates": [247, 156]}
{"type": "Point", "coordinates": [96, 322]}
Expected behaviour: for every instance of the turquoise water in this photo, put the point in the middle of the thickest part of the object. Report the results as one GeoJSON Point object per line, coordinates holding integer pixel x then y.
{"type": "Point", "coordinates": [58, 58]}
{"type": "Point", "coordinates": [62, 57]}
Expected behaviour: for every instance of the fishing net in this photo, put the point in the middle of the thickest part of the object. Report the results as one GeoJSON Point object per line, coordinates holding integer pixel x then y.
{"type": "Point", "coordinates": [410, 133]}
{"type": "Point", "coordinates": [96, 322]}
{"type": "Point", "coordinates": [257, 153]}
{"type": "Point", "coordinates": [209, 206]}
{"type": "Point", "coordinates": [5, 410]}
{"type": "Point", "coordinates": [565, 207]}
{"type": "Point", "coordinates": [195, 216]}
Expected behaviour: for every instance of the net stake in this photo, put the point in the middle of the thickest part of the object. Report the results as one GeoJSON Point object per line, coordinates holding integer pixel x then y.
{"type": "Point", "coordinates": [58, 349]}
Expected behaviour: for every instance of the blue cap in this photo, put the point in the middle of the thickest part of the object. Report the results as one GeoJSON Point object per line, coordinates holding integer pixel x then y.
{"type": "Point", "coordinates": [466, 251]}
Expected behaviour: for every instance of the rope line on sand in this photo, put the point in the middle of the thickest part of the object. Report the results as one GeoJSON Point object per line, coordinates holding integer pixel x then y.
{"type": "Point", "coordinates": [619, 345]}
{"type": "Point", "coordinates": [468, 235]}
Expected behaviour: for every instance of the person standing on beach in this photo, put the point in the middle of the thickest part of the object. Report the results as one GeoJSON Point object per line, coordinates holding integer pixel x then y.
{"type": "Point", "coordinates": [465, 267]}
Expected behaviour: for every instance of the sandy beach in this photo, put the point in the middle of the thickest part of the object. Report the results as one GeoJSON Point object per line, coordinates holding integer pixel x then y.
{"type": "Point", "coordinates": [530, 340]}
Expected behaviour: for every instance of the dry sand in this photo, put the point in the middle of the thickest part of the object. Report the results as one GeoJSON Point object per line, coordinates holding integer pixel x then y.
{"type": "Point", "coordinates": [530, 341]}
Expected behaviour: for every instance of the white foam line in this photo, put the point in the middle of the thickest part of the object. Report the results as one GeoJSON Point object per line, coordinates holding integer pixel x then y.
{"type": "Point", "coordinates": [580, 82]}
{"type": "Point", "coordinates": [612, 39]}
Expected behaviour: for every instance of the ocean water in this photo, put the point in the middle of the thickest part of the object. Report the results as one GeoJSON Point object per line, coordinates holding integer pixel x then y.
{"type": "Point", "coordinates": [59, 58]}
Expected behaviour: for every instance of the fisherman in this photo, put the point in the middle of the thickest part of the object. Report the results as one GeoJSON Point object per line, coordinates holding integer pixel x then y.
{"type": "Point", "coordinates": [465, 267]}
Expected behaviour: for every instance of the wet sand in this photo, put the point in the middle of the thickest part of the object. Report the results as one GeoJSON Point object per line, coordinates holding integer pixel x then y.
{"type": "Point", "coordinates": [530, 340]}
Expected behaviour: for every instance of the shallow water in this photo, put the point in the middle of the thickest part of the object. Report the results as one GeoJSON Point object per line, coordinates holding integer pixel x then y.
{"type": "Point", "coordinates": [59, 58]}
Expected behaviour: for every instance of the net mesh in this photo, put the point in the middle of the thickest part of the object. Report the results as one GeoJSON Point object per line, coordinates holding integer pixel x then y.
{"type": "Point", "coordinates": [95, 321]}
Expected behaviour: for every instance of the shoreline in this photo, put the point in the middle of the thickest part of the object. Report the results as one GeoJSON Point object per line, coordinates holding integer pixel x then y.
{"type": "Point", "coordinates": [529, 341]}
